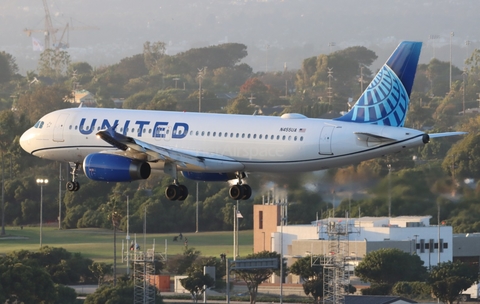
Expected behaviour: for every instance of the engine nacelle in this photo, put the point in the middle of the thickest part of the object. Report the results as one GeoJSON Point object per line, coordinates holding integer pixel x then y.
{"type": "Point", "coordinates": [209, 177]}
{"type": "Point", "coordinates": [114, 168]}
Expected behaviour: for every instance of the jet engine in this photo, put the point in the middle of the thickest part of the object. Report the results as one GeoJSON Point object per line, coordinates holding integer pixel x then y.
{"type": "Point", "coordinates": [114, 168]}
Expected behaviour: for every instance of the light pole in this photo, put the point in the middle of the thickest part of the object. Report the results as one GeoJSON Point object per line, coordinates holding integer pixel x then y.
{"type": "Point", "coordinates": [433, 37]}
{"type": "Point", "coordinates": [451, 35]}
{"type": "Point", "coordinates": [41, 182]}
{"type": "Point", "coordinates": [330, 45]}
{"type": "Point", "coordinates": [128, 238]}
{"type": "Point", "coordinates": [389, 166]}
{"type": "Point", "coordinates": [467, 43]}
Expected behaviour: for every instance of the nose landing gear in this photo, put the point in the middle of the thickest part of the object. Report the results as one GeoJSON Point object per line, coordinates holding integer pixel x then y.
{"type": "Point", "coordinates": [73, 185]}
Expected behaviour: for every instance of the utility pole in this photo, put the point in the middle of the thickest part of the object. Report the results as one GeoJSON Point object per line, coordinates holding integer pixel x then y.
{"type": "Point", "coordinates": [433, 37]}
{"type": "Point", "coordinates": [329, 89]}
{"type": "Point", "coordinates": [451, 35]}
{"type": "Point", "coordinates": [200, 75]}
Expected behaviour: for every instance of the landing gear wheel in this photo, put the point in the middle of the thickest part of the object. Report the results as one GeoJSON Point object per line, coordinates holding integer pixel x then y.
{"type": "Point", "coordinates": [72, 186]}
{"type": "Point", "coordinates": [247, 192]}
{"type": "Point", "coordinates": [236, 192]}
{"type": "Point", "coordinates": [184, 192]}
{"type": "Point", "coordinates": [173, 192]}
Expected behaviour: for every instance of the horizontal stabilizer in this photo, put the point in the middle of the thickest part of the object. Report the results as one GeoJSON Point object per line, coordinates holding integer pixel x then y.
{"type": "Point", "coordinates": [445, 134]}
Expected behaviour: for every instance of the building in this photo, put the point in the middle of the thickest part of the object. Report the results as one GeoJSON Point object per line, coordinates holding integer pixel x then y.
{"type": "Point", "coordinates": [83, 97]}
{"type": "Point", "coordinates": [412, 234]}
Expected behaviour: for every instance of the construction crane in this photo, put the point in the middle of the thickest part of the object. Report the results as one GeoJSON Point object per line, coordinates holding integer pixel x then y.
{"type": "Point", "coordinates": [50, 32]}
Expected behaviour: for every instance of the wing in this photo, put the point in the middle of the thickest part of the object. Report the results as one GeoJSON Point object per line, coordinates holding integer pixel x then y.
{"type": "Point", "coordinates": [184, 159]}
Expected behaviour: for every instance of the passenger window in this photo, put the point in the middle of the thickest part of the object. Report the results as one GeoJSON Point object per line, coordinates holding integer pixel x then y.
{"type": "Point", "coordinates": [70, 127]}
{"type": "Point", "coordinates": [272, 137]}
{"type": "Point", "coordinates": [295, 138]}
{"type": "Point", "coordinates": [203, 133]}
{"type": "Point", "coordinates": [121, 129]}
{"type": "Point", "coordinates": [289, 138]}
{"type": "Point", "coordinates": [301, 138]}
{"type": "Point", "coordinates": [208, 133]}
{"type": "Point", "coordinates": [248, 136]}
{"type": "Point", "coordinates": [214, 133]}
{"type": "Point", "coordinates": [196, 133]}
{"type": "Point", "coordinates": [283, 137]}
{"type": "Point", "coordinates": [238, 135]}
{"type": "Point", "coordinates": [254, 136]}
{"type": "Point", "coordinates": [226, 134]}
{"type": "Point", "coordinates": [260, 136]}
{"type": "Point", "coordinates": [278, 137]}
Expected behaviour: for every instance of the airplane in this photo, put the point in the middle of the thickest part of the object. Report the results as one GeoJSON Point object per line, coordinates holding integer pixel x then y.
{"type": "Point", "coordinates": [122, 145]}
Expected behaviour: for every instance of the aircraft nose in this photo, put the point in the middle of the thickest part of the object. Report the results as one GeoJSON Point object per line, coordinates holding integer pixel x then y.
{"type": "Point", "coordinates": [26, 140]}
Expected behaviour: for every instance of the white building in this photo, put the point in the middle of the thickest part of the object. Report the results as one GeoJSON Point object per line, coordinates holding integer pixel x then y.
{"type": "Point", "coordinates": [412, 234]}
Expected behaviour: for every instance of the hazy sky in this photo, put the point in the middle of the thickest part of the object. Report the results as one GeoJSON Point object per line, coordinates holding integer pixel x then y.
{"type": "Point", "coordinates": [291, 30]}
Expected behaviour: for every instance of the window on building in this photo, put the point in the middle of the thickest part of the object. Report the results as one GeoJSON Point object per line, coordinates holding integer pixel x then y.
{"type": "Point", "coordinates": [260, 219]}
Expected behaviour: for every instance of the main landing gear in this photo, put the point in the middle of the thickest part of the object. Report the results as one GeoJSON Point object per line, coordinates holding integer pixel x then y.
{"type": "Point", "coordinates": [176, 192]}
{"type": "Point", "coordinates": [73, 185]}
{"type": "Point", "coordinates": [240, 192]}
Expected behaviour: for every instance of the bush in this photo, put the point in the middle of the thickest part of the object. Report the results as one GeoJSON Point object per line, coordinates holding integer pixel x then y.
{"type": "Point", "coordinates": [377, 289]}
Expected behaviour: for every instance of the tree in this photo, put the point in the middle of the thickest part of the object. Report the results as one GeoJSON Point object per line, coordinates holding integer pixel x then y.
{"type": "Point", "coordinates": [179, 264]}
{"type": "Point", "coordinates": [253, 277]}
{"type": "Point", "coordinates": [311, 274]}
{"type": "Point", "coordinates": [21, 283]}
{"type": "Point", "coordinates": [239, 105]}
{"type": "Point", "coordinates": [390, 265]}
{"type": "Point", "coordinates": [100, 270]}
{"type": "Point", "coordinates": [123, 293]}
{"type": "Point", "coordinates": [448, 279]}
{"type": "Point", "coordinates": [53, 63]}
{"type": "Point", "coordinates": [152, 53]}
{"type": "Point", "coordinates": [8, 67]}
{"type": "Point", "coordinates": [196, 283]}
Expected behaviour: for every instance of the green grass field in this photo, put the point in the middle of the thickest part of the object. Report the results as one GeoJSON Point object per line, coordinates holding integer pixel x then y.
{"type": "Point", "coordinates": [97, 244]}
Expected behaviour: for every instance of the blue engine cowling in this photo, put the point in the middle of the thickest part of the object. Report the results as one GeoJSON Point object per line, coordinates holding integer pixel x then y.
{"type": "Point", "coordinates": [114, 168]}
{"type": "Point", "coordinates": [209, 177]}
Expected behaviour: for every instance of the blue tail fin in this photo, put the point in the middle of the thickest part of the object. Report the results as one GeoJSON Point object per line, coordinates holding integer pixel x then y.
{"type": "Point", "coordinates": [386, 99]}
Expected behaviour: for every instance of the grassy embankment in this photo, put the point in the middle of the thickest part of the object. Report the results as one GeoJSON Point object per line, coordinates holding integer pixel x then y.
{"type": "Point", "coordinates": [97, 244]}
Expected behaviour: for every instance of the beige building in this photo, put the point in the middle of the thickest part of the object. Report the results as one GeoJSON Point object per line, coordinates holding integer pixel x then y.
{"type": "Point", "coordinates": [83, 97]}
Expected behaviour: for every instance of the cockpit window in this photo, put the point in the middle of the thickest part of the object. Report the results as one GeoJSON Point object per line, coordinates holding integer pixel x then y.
{"type": "Point", "coordinates": [39, 124]}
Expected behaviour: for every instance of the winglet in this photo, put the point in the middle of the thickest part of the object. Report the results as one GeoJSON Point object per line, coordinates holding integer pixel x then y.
{"type": "Point", "coordinates": [386, 99]}
{"type": "Point", "coordinates": [112, 137]}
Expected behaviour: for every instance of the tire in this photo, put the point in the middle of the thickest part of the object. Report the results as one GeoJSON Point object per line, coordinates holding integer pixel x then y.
{"type": "Point", "coordinates": [70, 186]}
{"type": "Point", "coordinates": [172, 192]}
{"type": "Point", "coordinates": [184, 192]}
{"type": "Point", "coordinates": [464, 298]}
{"type": "Point", "coordinates": [236, 192]}
{"type": "Point", "coordinates": [247, 192]}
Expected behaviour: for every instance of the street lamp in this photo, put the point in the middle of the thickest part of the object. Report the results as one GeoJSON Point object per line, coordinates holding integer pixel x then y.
{"type": "Point", "coordinates": [451, 35]}
{"type": "Point", "coordinates": [128, 238]}
{"type": "Point", "coordinates": [41, 182]}
{"type": "Point", "coordinates": [389, 166]}
{"type": "Point", "coordinates": [433, 37]}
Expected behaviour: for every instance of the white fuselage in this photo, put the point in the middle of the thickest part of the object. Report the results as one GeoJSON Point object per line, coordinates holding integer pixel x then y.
{"type": "Point", "coordinates": [260, 143]}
